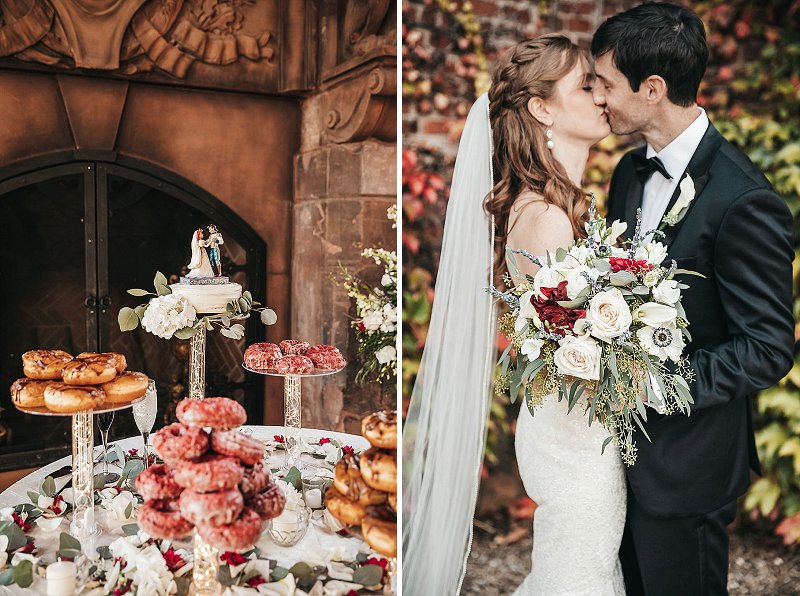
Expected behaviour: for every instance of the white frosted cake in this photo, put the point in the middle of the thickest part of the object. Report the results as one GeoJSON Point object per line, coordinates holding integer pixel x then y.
{"type": "Point", "coordinates": [209, 297]}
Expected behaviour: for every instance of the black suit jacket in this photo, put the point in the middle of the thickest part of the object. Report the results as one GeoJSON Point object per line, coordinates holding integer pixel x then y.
{"type": "Point", "coordinates": [737, 232]}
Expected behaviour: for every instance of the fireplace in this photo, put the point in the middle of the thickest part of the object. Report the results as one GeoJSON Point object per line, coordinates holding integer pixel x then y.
{"type": "Point", "coordinates": [78, 236]}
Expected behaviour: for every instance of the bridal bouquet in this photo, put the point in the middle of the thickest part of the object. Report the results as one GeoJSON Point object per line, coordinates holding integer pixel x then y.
{"type": "Point", "coordinates": [597, 324]}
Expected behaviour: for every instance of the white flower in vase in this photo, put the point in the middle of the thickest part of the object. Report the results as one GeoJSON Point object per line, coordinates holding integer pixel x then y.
{"type": "Point", "coordinates": [164, 315]}
{"type": "Point", "coordinates": [372, 320]}
{"type": "Point", "coordinates": [386, 354]}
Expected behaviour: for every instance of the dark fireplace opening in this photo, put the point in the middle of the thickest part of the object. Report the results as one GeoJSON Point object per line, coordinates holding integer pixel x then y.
{"type": "Point", "coordinates": [76, 238]}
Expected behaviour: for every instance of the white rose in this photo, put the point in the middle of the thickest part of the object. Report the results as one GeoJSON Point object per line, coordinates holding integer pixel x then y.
{"type": "Point", "coordinates": [654, 314]}
{"type": "Point", "coordinates": [652, 252]}
{"type": "Point", "coordinates": [578, 357]}
{"type": "Point", "coordinates": [372, 320]}
{"type": "Point", "coordinates": [532, 348]}
{"type": "Point", "coordinates": [546, 277]}
{"type": "Point", "coordinates": [386, 354]}
{"type": "Point", "coordinates": [667, 292]}
{"type": "Point", "coordinates": [576, 280]}
{"type": "Point", "coordinates": [609, 314]}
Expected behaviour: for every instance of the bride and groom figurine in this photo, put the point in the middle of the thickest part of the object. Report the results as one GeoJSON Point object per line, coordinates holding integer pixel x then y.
{"type": "Point", "coordinates": [659, 527]}
{"type": "Point", "coordinates": [205, 254]}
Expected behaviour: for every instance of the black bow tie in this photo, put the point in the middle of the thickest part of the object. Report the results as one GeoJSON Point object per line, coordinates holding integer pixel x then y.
{"type": "Point", "coordinates": [645, 167]}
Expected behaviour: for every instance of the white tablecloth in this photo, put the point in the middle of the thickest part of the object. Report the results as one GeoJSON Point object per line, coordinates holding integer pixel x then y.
{"type": "Point", "coordinates": [318, 545]}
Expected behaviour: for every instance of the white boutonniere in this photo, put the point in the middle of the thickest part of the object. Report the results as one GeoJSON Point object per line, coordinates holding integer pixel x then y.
{"type": "Point", "coordinates": [685, 199]}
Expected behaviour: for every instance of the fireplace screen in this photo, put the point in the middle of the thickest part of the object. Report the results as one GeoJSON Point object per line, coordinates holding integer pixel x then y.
{"type": "Point", "coordinates": [76, 237]}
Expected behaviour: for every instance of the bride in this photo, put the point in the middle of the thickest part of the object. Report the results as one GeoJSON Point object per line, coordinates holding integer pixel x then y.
{"type": "Point", "coordinates": [199, 266]}
{"type": "Point", "coordinates": [517, 184]}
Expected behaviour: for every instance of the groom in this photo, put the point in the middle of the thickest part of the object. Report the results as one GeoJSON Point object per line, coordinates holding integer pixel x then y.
{"type": "Point", "coordinates": [738, 233]}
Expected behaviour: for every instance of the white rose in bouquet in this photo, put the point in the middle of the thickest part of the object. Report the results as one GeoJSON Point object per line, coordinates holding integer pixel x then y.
{"type": "Point", "coordinates": [164, 315]}
{"type": "Point", "coordinates": [546, 277]}
{"type": "Point", "coordinates": [667, 292]}
{"type": "Point", "coordinates": [578, 357]}
{"type": "Point", "coordinates": [609, 314]}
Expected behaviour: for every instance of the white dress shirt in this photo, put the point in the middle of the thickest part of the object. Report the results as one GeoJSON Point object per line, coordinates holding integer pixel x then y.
{"type": "Point", "coordinates": [675, 157]}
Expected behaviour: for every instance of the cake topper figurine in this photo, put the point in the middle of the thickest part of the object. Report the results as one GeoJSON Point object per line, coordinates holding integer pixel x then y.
{"type": "Point", "coordinates": [199, 265]}
{"type": "Point", "coordinates": [213, 243]}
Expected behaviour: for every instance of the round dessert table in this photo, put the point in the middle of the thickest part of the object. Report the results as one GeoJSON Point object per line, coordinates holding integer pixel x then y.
{"type": "Point", "coordinates": [318, 546]}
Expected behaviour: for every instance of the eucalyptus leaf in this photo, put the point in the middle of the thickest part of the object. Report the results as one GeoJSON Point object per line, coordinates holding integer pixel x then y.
{"type": "Point", "coordinates": [48, 487]}
{"type": "Point", "coordinates": [23, 574]}
{"type": "Point", "coordinates": [247, 296]}
{"type": "Point", "coordinates": [640, 425]}
{"type": "Point", "coordinates": [301, 569]}
{"type": "Point", "coordinates": [34, 497]}
{"type": "Point", "coordinates": [601, 265]}
{"type": "Point", "coordinates": [127, 319]}
{"type": "Point", "coordinates": [268, 316]}
{"type": "Point", "coordinates": [622, 278]}
{"type": "Point", "coordinates": [68, 542]}
{"type": "Point", "coordinates": [120, 453]}
{"type": "Point", "coordinates": [207, 323]}
{"type": "Point", "coordinates": [128, 510]}
{"type": "Point", "coordinates": [244, 305]}
{"type": "Point", "coordinates": [641, 290]}
{"type": "Point", "coordinates": [7, 577]}
{"type": "Point", "coordinates": [98, 481]}
{"type": "Point", "coordinates": [16, 537]}
{"type": "Point", "coordinates": [104, 552]}
{"type": "Point", "coordinates": [130, 529]}
{"type": "Point", "coordinates": [185, 333]}
{"type": "Point", "coordinates": [605, 444]}
{"type": "Point", "coordinates": [368, 575]}
{"type": "Point", "coordinates": [228, 333]}
{"type": "Point", "coordinates": [293, 477]}
{"type": "Point", "coordinates": [612, 363]}
{"type": "Point", "coordinates": [226, 321]}
{"type": "Point", "coordinates": [279, 573]}
{"type": "Point", "coordinates": [687, 272]}
{"type": "Point", "coordinates": [561, 254]}
{"type": "Point", "coordinates": [138, 292]}
{"type": "Point", "coordinates": [139, 310]}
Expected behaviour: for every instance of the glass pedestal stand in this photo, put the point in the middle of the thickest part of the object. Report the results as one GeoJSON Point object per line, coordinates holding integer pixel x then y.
{"type": "Point", "coordinates": [292, 411]}
{"type": "Point", "coordinates": [205, 572]}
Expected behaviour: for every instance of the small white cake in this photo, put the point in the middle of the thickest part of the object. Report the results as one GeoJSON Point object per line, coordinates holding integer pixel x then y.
{"type": "Point", "coordinates": [208, 299]}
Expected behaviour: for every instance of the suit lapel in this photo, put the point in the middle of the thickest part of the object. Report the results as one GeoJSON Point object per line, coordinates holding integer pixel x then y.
{"type": "Point", "coordinates": [633, 197]}
{"type": "Point", "coordinates": [698, 169]}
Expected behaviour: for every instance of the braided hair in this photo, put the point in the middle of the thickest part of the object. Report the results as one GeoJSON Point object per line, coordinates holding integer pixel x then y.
{"type": "Point", "coordinates": [522, 161]}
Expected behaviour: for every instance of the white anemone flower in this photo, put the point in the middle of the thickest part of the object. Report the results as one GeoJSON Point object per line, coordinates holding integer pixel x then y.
{"type": "Point", "coordinates": [665, 341]}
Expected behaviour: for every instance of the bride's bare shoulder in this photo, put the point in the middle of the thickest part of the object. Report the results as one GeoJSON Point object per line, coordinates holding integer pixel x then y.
{"type": "Point", "coordinates": [530, 209]}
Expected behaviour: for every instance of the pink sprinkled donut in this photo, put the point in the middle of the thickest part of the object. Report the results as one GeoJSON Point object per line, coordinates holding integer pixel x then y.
{"type": "Point", "coordinates": [177, 442]}
{"type": "Point", "coordinates": [209, 473]}
{"type": "Point", "coordinates": [157, 482]}
{"type": "Point", "coordinates": [328, 360]}
{"type": "Point", "coordinates": [268, 504]}
{"type": "Point", "coordinates": [216, 412]}
{"type": "Point", "coordinates": [220, 507]}
{"type": "Point", "coordinates": [291, 347]}
{"type": "Point", "coordinates": [163, 519]}
{"type": "Point", "coordinates": [297, 365]}
{"type": "Point", "coordinates": [262, 356]}
{"type": "Point", "coordinates": [255, 480]}
{"type": "Point", "coordinates": [234, 444]}
{"type": "Point", "coordinates": [240, 534]}
{"type": "Point", "coordinates": [319, 348]}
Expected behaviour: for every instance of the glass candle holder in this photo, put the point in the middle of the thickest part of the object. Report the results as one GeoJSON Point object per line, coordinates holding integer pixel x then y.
{"type": "Point", "coordinates": [314, 488]}
{"type": "Point", "coordinates": [60, 577]}
{"type": "Point", "coordinates": [290, 526]}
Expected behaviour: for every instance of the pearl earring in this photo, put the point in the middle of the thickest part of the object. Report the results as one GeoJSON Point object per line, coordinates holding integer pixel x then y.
{"type": "Point", "coordinates": [549, 134]}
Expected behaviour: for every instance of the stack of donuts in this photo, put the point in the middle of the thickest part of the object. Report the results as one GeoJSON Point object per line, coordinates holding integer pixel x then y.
{"type": "Point", "coordinates": [56, 380]}
{"type": "Point", "coordinates": [214, 481]}
{"type": "Point", "coordinates": [293, 356]}
{"type": "Point", "coordinates": [364, 489]}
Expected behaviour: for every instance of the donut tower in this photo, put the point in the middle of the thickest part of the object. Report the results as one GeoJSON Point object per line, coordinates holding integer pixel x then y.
{"type": "Point", "coordinates": [214, 482]}
{"type": "Point", "coordinates": [364, 489]}
{"type": "Point", "coordinates": [55, 383]}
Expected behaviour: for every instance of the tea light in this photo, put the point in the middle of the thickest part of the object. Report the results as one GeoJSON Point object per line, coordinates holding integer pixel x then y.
{"type": "Point", "coordinates": [61, 578]}
{"type": "Point", "coordinates": [314, 498]}
{"type": "Point", "coordinates": [286, 521]}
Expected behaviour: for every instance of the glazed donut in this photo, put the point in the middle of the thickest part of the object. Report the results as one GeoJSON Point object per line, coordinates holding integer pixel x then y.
{"type": "Point", "coordinates": [241, 534]}
{"type": "Point", "coordinates": [216, 412]}
{"type": "Point", "coordinates": [268, 504]}
{"type": "Point", "coordinates": [255, 480]}
{"type": "Point", "coordinates": [120, 362]}
{"type": "Point", "coordinates": [217, 508]}
{"type": "Point", "coordinates": [262, 356]}
{"type": "Point", "coordinates": [125, 387]}
{"type": "Point", "coordinates": [380, 429]}
{"type": "Point", "coordinates": [209, 473]}
{"type": "Point", "coordinates": [234, 444]}
{"type": "Point", "coordinates": [177, 442]}
{"type": "Point", "coordinates": [297, 365]}
{"type": "Point", "coordinates": [328, 360]}
{"type": "Point", "coordinates": [379, 469]}
{"type": "Point", "coordinates": [292, 347]}
{"type": "Point", "coordinates": [162, 518]}
{"type": "Point", "coordinates": [379, 528]}
{"type": "Point", "coordinates": [28, 393]}
{"type": "Point", "coordinates": [44, 364]}
{"type": "Point", "coordinates": [342, 508]}
{"type": "Point", "coordinates": [348, 481]}
{"type": "Point", "coordinates": [93, 370]}
{"type": "Point", "coordinates": [157, 482]}
{"type": "Point", "coordinates": [68, 399]}
{"type": "Point", "coordinates": [392, 501]}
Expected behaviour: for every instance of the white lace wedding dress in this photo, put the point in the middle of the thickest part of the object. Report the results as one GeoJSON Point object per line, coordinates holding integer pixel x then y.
{"type": "Point", "coordinates": [581, 499]}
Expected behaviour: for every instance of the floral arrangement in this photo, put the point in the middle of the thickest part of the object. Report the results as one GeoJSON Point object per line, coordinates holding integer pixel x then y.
{"type": "Point", "coordinates": [598, 324]}
{"type": "Point", "coordinates": [375, 323]}
{"type": "Point", "coordinates": [166, 315]}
